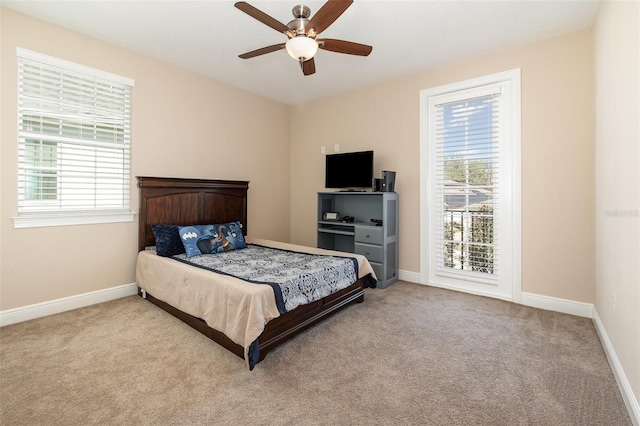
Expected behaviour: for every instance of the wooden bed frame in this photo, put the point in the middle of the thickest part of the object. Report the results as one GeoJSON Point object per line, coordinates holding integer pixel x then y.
{"type": "Point", "coordinates": [175, 201]}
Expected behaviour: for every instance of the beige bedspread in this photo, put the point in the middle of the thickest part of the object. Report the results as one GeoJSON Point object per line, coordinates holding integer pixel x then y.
{"type": "Point", "coordinates": [232, 306]}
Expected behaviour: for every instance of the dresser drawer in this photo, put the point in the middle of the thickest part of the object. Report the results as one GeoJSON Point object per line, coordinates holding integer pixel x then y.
{"type": "Point", "coordinates": [369, 234]}
{"type": "Point", "coordinates": [371, 252]}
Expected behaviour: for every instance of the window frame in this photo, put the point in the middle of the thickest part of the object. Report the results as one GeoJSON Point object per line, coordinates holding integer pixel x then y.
{"type": "Point", "coordinates": [510, 287]}
{"type": "Point", "coordinates": [57, 216]}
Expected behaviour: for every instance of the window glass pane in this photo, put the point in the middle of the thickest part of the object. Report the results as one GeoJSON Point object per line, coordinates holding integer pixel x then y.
{"type": "Point", "coordinates": [40, 161]}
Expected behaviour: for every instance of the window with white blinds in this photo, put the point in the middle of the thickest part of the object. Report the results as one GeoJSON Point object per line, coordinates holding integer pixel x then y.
{"type": "Point", "coordinates": [74, 144]}
{"type": "Point", "coordinates": [466, 171]}
{"type": "Point", "coordinates": [470, 148]}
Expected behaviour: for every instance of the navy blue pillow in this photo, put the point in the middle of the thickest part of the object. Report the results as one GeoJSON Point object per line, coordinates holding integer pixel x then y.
{"type": "Point", "coordinates": [168, 242]}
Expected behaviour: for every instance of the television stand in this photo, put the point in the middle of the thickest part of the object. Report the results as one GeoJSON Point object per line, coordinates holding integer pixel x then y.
{"type": "Point", "coordinates": [373, 232]}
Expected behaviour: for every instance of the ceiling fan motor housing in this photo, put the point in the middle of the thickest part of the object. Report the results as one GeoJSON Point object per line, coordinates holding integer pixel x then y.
{"type": "Point", "coordinates": [301, 11]}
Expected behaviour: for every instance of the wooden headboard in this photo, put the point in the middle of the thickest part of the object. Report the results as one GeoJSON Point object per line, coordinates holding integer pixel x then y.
{"type": "Point", "coordinates": [175, 201]}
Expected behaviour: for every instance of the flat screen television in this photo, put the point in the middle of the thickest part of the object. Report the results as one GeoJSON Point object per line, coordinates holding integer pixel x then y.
{"type": "Point", "coordinates": [349, 170]}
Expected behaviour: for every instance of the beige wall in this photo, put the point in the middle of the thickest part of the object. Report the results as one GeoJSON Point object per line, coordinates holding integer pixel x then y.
{"type": "Point", "coordinates": [557, 156]}
{"type": "Point", "coordinates": [617, 65]}
{"type": "Point", "coordinates": [183, 125]}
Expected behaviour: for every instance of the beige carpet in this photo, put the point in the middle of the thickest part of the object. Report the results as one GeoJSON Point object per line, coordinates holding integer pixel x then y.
{"type": "Point", "coordinates": [408, 355]}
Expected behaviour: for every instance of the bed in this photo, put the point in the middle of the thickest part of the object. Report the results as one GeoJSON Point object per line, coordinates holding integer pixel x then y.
{"type": "Point", "coordinates": [188, 292]}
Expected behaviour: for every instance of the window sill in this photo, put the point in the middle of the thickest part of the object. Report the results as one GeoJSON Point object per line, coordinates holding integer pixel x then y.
{"type": "Point", "coordinates": [44, 220]}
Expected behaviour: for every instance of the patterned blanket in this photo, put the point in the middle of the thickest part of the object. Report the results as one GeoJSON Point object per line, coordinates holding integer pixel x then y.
{"type": "Point", "coordinates": [296, 278]}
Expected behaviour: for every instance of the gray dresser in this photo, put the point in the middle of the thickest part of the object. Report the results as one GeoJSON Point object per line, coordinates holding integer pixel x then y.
{"type": "Point", "coordinates": [377, 240]}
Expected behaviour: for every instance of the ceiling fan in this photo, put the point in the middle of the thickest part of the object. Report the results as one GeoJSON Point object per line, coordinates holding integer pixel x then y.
{"type": "Point", "coordinates": [302, 32]}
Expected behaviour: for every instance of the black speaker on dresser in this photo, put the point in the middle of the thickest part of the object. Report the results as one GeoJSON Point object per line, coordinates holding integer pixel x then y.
{"type": "Point", "coordinates": [388, 181]}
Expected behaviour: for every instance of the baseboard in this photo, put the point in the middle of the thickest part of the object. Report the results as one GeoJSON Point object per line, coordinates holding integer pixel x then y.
{"type": "Point", "coordinates": [558, 305]}
{"type": "Point", "coordinates": [633, 407]}
{"type": "Point", "coordinates": [25, 313]}
{"type": "Point", "coordinates": [412, 277]}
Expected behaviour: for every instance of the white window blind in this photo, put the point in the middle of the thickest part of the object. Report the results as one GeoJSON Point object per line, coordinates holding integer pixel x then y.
{"type": "Point", "coordinates": [73, 138]}
{"type": "Point", "coordinates": [466, 179]}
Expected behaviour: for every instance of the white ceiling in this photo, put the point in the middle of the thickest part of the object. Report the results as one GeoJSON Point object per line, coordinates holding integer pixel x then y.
{"type": "Point", "coordinates": [407, 36]}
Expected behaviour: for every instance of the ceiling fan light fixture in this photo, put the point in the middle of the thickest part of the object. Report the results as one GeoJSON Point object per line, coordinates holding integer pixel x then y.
{"type": "Point", "coordinates": [302, 47]}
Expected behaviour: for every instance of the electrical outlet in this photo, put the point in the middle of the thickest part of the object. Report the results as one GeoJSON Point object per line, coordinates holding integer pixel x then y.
{"type": "Point", "coordinates": [323, 149]}
{"type": "Point", "coordinates": [336, 148]}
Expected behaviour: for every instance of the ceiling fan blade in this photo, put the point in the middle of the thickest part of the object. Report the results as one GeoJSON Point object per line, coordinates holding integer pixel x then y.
{"type": "Point", "coordinates": [309, 67]}
{"type": "Point", "coordinates": [341, 46]}
{"type": "Point", "coordinates": [262, 17]}
{"type": "Point", "coordinates": [262, 51]}
{"type": "Point", "coordinates": [327, 14]}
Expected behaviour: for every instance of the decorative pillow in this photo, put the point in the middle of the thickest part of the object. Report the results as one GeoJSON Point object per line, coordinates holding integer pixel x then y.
{"type": "Point", "coordinates": [189, 236]}
{"type": "Point", "coordinates": [168, 242]}
{"type": "Point", "coordinates": [210, 239]}
{"type": "Point", "coordinates": [225, 237]}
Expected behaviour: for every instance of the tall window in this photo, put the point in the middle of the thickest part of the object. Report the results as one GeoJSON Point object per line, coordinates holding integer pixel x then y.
{"type": "Point", "coordinates": [73, 143]}
{"type": "Point", "coordinates": [471, 142]}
